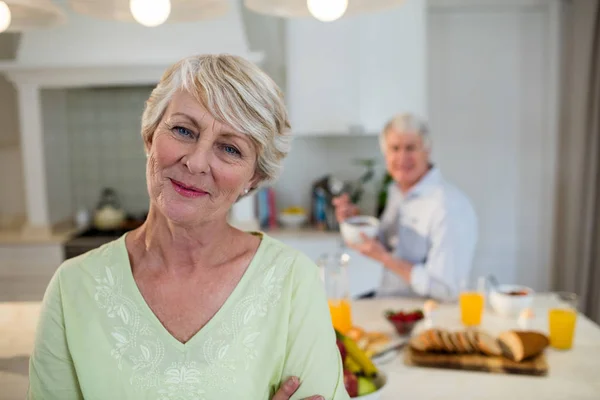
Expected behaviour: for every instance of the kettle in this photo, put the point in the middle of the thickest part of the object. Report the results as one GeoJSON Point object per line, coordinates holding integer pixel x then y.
{"type": "Point", "coordinates": [108, 214]}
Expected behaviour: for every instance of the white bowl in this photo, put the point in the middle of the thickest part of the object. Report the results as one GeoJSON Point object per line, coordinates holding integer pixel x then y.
{"type": "Point", "coordinates": [507, 305]}
{"type": "Point", "coordinates": [380, 381]}
{"type": "Point", "coordinates": [289, 220]}
{"type": "Point", "coordinates": [353, 226]}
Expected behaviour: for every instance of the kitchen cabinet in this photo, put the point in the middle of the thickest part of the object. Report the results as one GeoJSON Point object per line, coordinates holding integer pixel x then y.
{"type": "Point", "coordinates": [357, 71]}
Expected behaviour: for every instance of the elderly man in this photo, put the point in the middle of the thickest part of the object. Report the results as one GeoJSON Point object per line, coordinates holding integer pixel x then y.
{"type": "Point", "coordinates": [428, 229]}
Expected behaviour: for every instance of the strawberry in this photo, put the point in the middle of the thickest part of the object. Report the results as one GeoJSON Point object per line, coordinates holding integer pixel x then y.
{"type": "Point", "coordinates": [342, 349]}
{"type": "Point", "coordinates": [351, 383]}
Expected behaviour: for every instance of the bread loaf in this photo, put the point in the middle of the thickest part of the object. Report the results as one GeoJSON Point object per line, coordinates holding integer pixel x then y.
{"type": "Point", "coordinates": [488, 345]}
{"type": "Point", "coordinates": [520, 345]}
{"type": "Point", "coordinates": [455, 338]}
{"type": "Point", "coordinates": [448, 344]}
{"type": "Point", "coordinates": [473, 339]}
{"type": "Point", "coordinates": [419, 343]}
{"type": "Point", "coordinates": [464, 342]}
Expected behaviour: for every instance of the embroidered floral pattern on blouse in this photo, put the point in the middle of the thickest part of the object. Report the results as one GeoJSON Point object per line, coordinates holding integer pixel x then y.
{"type": "Point", "coordinates": [140, 345]}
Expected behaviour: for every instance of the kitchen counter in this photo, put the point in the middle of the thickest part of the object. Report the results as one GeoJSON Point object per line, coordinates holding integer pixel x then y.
{"type": "Point", "coordinates": [18, 236]}
{"type": "Point", "coordinates": [573, 374]}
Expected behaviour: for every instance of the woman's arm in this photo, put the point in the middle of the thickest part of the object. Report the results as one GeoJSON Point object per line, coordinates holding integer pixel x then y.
{"type": "Point", "coordinates": [51, 370]}
{"type": "Point", "coordinates": [312, 353]}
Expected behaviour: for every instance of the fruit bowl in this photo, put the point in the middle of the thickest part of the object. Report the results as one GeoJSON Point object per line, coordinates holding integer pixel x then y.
{"type": "Point", "coordinates": [380, 381]}
{"type": "Point", "coordinates": [362, 379]}
{"type": "Point", "coordinates": [404, 322]}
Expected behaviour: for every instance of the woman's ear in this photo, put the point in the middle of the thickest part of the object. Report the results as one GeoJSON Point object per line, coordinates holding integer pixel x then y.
{"type": "Point", "coordinates": [148, 144]}
{"type": "Point", "coordinates": [256, 180]}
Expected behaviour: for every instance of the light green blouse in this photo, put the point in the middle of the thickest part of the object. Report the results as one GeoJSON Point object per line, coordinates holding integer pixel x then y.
{"type": "Point", "coordinates": [98, 339]}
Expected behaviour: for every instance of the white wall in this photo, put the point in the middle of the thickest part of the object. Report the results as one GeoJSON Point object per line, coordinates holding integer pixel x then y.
{"type": "Point", "coordinates": [88, 41]}
{"type": "Point", "coordinates": [9, 121]}
{"type": "Point", "coordinates": [12, 191]}
{"type": "Point", "coordinates": [57, 150]}
{"type": "Point", "coordinates": [490, 91]}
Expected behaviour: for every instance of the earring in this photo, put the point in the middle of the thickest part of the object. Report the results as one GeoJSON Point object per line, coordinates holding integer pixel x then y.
{"type": "Point", "coordinates": [246, 191]}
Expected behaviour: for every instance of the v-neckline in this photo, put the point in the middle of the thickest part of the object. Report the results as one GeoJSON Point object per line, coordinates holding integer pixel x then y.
{"type": "Point", "coordinates": [239, 288]}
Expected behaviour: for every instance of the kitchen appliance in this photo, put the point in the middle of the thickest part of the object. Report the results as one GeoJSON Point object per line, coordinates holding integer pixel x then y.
{"type": "Point", "coordinates": [93, 237]}
{"type": "Point", "coordinates": [322, 210]}
{"type": "Point", "coordinates": [108, 215]}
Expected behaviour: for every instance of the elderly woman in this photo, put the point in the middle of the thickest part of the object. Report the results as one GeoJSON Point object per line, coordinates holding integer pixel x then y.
{"type": "Point", "coordinates": [428, 229]}
{"type": "Point", "coordinates": [186, 307]}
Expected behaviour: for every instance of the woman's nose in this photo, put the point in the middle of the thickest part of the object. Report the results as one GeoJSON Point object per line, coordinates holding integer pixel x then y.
{"type": "Point", "coordinates": [198, 161]}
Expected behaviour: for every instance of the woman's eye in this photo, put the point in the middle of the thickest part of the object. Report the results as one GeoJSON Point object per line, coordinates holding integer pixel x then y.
{"type": "Point", "coordinates": [182, 131]}
{"type": "Point", "coordinates": [231, 150]}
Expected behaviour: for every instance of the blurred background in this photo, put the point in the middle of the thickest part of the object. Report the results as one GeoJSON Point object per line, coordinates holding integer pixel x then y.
{"type": "Point", "coordinates": [509, 88]}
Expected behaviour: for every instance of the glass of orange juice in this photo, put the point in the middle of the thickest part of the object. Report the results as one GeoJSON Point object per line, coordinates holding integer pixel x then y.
{"type": "Point", "coordinates": [562, 318]}
{"type": "Point", "coordinates": [472, 302]}
{"type": "Point", "coordinates": [337, 288]}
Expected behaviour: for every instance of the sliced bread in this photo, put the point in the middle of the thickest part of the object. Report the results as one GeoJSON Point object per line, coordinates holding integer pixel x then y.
{"type": "Point", "coordinates": [488, 344]}
{"type": "Point", "coordinates": [436, 340]}
{"type": "Point", "coordinates": [520, 345]}
{"type": "Point", "coordinates": [464, 342]}
{"type": "Point", "coordinates": [460, 349]}
{"type": "Point", "coordinates": [419, 343]}
{"type": "Point", "coordinates": [448, 344]}
{"type": "Point", "coordinates": [472, 337]}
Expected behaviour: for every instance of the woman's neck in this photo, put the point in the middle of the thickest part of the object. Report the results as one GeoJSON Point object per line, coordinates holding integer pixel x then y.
{"type": "Point", "coordinates": [183, 249]}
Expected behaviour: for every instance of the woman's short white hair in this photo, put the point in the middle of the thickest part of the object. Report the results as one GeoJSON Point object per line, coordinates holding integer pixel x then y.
{"type": "Point", "coordinates": [235, 92]}
{"type": "Point", "coordinates": [406, 123]}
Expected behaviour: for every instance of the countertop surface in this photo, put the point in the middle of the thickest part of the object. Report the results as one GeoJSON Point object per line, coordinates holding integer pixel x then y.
{"type": "Point", "coordinates": [18, 236]}
{"type": "Point", "coordinates": [573, 374]}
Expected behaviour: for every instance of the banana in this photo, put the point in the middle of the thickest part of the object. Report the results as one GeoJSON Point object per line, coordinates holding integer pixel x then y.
{"type": "Point", "coordinates": [352, 366]}
{"type": "Point", "coordinates": [369, 369]}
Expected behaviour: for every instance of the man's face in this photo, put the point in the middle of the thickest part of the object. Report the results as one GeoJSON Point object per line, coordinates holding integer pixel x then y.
{"type": "Point", "coordinates": [406, 157]}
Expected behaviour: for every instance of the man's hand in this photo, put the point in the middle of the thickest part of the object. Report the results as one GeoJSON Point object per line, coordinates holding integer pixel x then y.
{"type": "Point", "coordinates": [374, 249]}
{"type": "Point", "coordinates": [289, 387]}
{"type": "Point", "coordinates": [344, 208]}
{"type": "Point", "coordinates": [371, 248]}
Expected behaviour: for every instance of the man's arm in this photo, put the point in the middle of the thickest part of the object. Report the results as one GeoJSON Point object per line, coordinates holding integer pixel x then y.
{"type": "Point", "coordinates": [448, 263]}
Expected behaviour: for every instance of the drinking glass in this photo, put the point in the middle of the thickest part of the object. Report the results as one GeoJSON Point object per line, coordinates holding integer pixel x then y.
{"type": "Point", "coordinates": [472, 302]}
{"type": "Point", "coordinates": [562, 318]}
{"type": "Point", "coordinates": [337, 288]}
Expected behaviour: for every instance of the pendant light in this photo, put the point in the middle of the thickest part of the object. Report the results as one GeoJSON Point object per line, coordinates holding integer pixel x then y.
{"type": "Point", "coordinates": [324, 10]}
{"type": "Point", "coordinates": [24, 15]}
{"type": "Point", "coordinates": [151, 12]}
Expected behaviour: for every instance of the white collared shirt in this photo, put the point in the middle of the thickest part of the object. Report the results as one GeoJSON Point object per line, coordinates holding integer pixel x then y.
{"type": "Point", "coordinates": [434, 227]}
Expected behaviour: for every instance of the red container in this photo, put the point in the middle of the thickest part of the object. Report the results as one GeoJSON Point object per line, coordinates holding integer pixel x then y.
{"type": "Point", "coordinates": [404, 322]}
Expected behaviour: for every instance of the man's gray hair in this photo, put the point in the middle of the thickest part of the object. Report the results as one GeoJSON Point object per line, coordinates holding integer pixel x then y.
{"type": "Point", "coordinates": [406, 123]}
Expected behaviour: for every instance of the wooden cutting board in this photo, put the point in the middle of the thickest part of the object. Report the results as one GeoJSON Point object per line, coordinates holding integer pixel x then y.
{"type": "Point", "coordinates": [536, 366]}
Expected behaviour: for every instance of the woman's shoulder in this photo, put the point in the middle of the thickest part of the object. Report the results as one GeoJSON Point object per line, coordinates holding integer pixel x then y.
{"type": "Point", "coordinates": [95, 260]}
{"type": "Point", "coordinates": [275, 252]}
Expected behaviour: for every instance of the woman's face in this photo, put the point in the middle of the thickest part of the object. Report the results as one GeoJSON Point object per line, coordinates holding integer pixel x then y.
{"type": "Point", "coordinates": [197, 167]}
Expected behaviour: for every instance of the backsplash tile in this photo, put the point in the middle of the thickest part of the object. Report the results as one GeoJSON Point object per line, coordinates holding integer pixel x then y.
{"type": "Point", "coordinates": [103, 147]}
{"type": "Point", "coordinates": [93, 141]}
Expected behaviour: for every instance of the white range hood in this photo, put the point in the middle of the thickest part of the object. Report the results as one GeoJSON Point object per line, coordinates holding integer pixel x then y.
{"type": "Point", "coordinates": [88, 51]}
